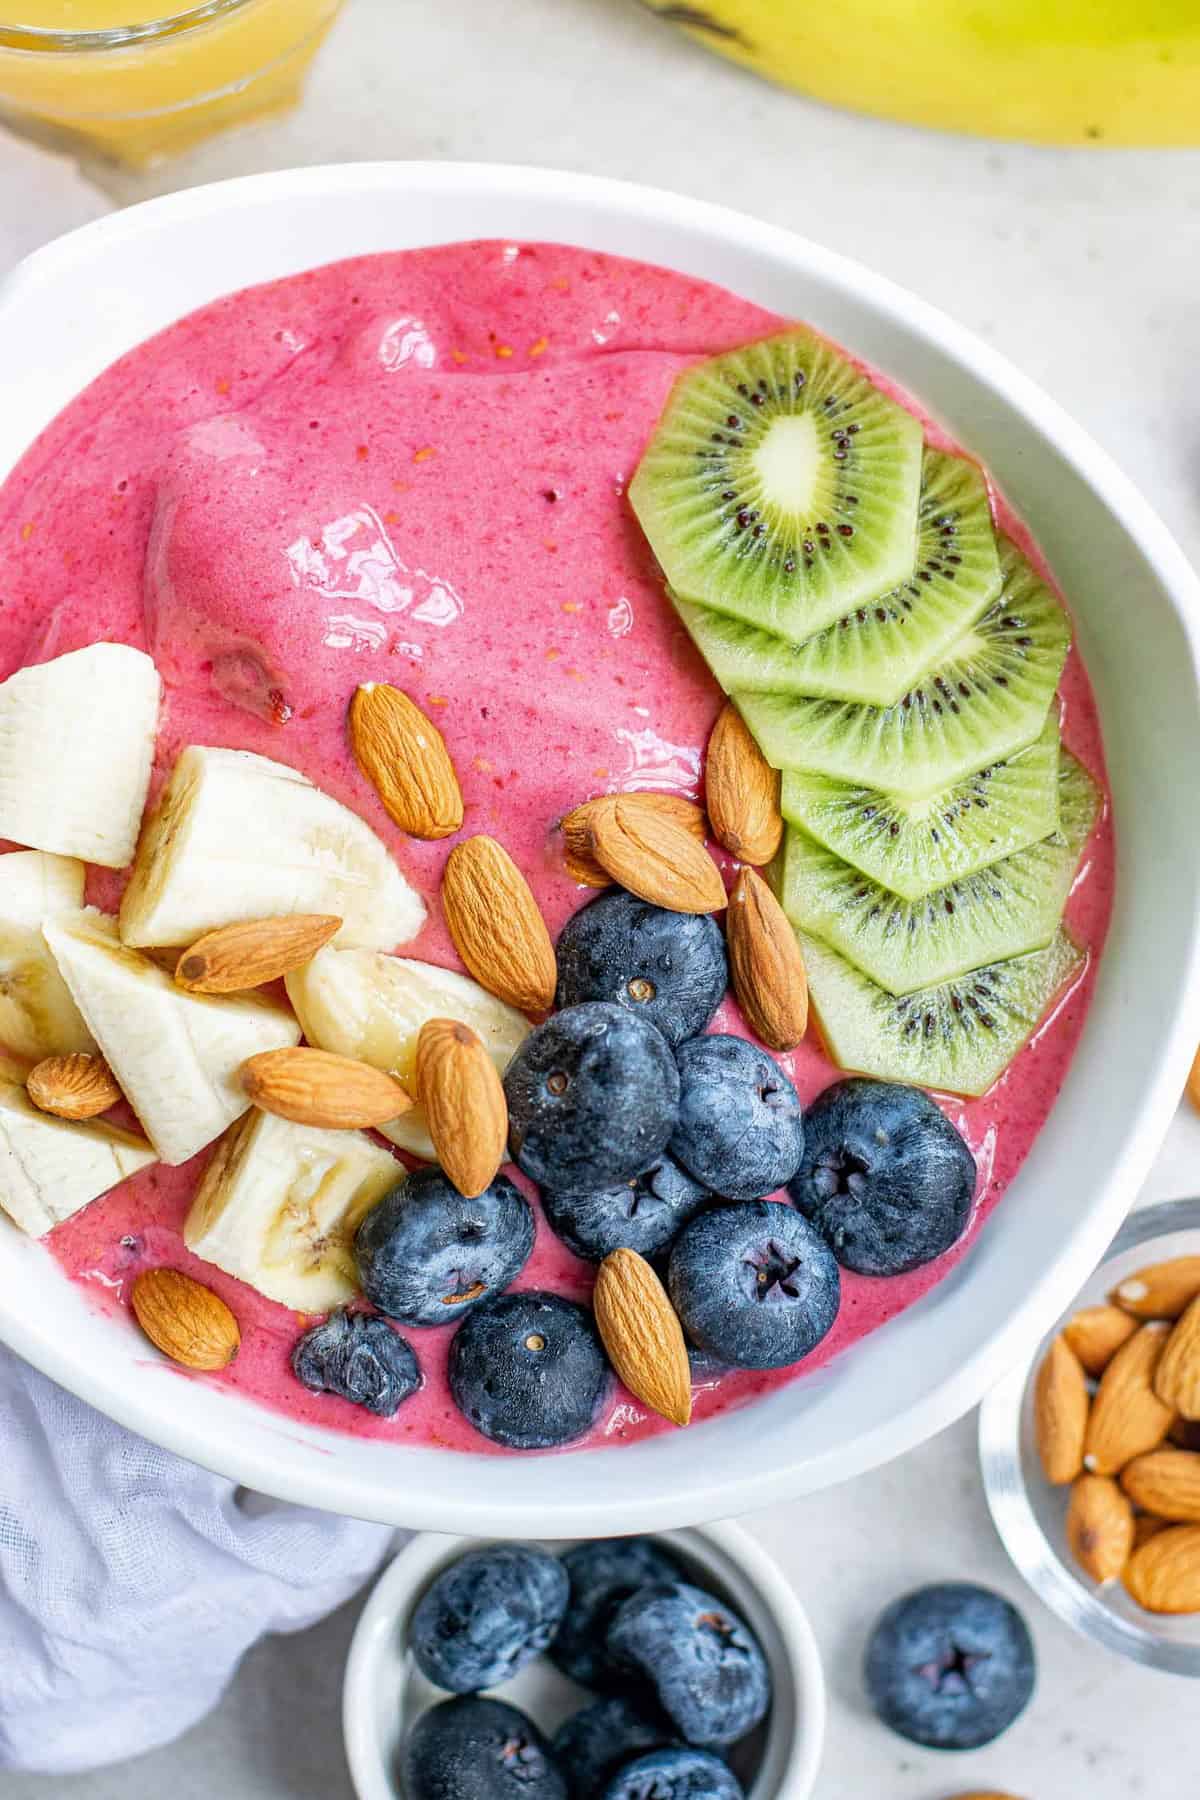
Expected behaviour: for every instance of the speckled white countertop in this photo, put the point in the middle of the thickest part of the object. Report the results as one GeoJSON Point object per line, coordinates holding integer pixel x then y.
{"type": "Point", "coordinates": [1085, 268]}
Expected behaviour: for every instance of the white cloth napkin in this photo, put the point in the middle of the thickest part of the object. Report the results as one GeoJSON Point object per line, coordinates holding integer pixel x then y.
{"type": "Point", "coordinates": [131, 1582]}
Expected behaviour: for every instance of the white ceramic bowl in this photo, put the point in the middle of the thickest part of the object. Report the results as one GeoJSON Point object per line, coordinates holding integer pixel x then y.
{"type": "Point", "coordinates": [384, 1692]}
{"type": "Point", "coordinates": [72, 307]}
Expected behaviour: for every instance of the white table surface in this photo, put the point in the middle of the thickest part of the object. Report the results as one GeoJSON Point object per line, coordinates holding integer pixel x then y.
{"type": "Point", "coordinates": [1085, 267]}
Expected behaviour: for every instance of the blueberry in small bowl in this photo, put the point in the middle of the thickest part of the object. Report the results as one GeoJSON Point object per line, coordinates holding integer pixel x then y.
{"type": "Point", "coordinates": [593, 1095]}
{"type": "Point", "coordinates": [426, 1255]}
{"type": "Point", "coordinates": [359, 1358]}
{"type": "Point", "coordinates": [595, 1743]}
{"type": "Point", "coordinates": [667, 967]}
{"type": "Point", "coordinates": [755, 1285]}
{"type": "Point", "coordinates": [678, 1773]}
{"type": "Point", "coordinates": [950, 1666]}
{"type": "Point", "coordinates": [885, 1177]}
{"type": "Point", "coordinates": [741, 1125]}
{"type": "Point", "coordinates": [476, 1749]}
{"type": "Point", "coordinates": [488, 1615]}
{"type": "Point", "coordinates": [645, 1214]}
{"type": "Point", "coordinates": [700, 1659]}
{"type": "Point", "coordinates": [603, 1573]}
{"type": "Point", "coordinates": [529, 1371]}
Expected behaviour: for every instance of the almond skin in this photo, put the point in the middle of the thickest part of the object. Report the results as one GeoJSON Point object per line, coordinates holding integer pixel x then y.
{"type": "Point", "coordinates": [576, 828]}
{"type": "Point", "coordinates": [1060, 1413]}
{"type": "Point", "coordinates": [184, 1319]}
{"type": "Point", "coordinates": [404, 757]}
{"type": "Point", "coordinates": [1164, 1574]}
{"type": "Point", "coordinates": [1099, 1527]}
{"type": "Point", "coordinates": [1161, 1291]}
{"type": "Point", "coordinates": [1177, 1378]}
{"type": "Point", "coordinates": [1127, 1417]}
{"type": "Point", "coordinates": [497, 929]}
{"type": "Point", "coordinates": [460, 1088]}
{"type": "Point", "coordinates": [642, 1335]}
{"type": "Point", "coordinates": [72, 1087]}
{"type": "Point", "coordinates": [314, 1087]}
{"type": "Point", "coordinates": [765, 964]}
{"type": "Point", "coordinates": [1096, 1334]}
{"type": "Point", "coordinates": [238, 957]}
{"type": "Point", "coordinates": [1193, 1082]}
{"type": "Point", "coordinates": [654, 858]}
{"type": "Point", "coordinates": [1166, 1483]}
{"type": "Point", "coordinates": [741, 790]}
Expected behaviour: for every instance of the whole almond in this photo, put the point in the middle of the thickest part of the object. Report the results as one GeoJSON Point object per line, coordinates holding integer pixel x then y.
{"type": "Point", "coordinates": [184, 1319]}
{"type": "Point", "coordinates": [1193, 1082]}
{"type": "Point", "coordinates": [1177, 1378]}
{"type": "Point", "coordinates": [1127, 1417]}
{"type": "Point", "coordinates": [1164, 1574]}
{"type": "Point", "coordinates": [655, 858]}
{"type": "Point", "coordinates": [1165, 1482]}
{"type": "Point", "coordinates": [1096, 1334]}
{"type": "Point", "coordinates": [765, 964]}
{"type": "Point", "coordinates": [576, 827]}
{"type": "Point", "coordinates": [1099, 1526]}
{"type": "Point", "coordinates": [404, 757]}
{"type": "Point", "coordinates": [314, 1087]}
{"type": "Point", "coordinates": [1161, 1291]}
{"type": "Point", "coordinates": [1060, 1413]}
{"type": "Point", "coordinates": [78, 1086]}
{"type": "Point", "coordinates": [244, 956]}
{"type": "Point", "coordinates": [497, 929]}
{"type": "Point", "coordinates": [1146, 1526]}
{"type": "Point", "coordinates": [741, 790]}
{"type": "Point", "coordinates": [642, 1335]}
{"type": "Point", "coordinates": [460, 1088]}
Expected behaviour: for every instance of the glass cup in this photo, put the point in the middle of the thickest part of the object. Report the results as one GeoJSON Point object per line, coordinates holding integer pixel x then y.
{"type": "Point", "coordinates": [114, 77]}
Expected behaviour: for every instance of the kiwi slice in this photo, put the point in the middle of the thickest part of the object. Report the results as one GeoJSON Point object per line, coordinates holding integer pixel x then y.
{"type": "Point", "coordinates": [986, 700]}
{"type": "Point", "coordinates": [959, 1037]}
{"type": "Point", "coordinates": [781, 486]}
{"type": "Point", "coordinates": [914, 846]}
{"type": "Point", "coordinates": [876, 652]}
{"type": "Point", "coordinates": [1006, 910]}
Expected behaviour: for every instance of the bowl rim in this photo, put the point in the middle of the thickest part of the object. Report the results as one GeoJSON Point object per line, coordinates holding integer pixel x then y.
{"type": "Point", "coordinates": [717, 1487]}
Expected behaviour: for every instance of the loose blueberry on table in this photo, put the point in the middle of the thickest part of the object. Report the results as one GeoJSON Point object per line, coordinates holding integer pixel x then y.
{"type": "Point", "coordinates": [950, 1666]}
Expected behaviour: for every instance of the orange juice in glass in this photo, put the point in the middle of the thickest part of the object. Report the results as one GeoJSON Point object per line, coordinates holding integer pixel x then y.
{"type": "Point", "coordinates": [135, 79]}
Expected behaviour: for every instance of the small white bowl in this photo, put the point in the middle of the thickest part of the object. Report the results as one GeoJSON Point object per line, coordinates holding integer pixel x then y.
{"type": "Point", "coordinates": [384, 1692]}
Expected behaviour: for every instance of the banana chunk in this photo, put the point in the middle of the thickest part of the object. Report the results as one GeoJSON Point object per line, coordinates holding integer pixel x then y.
{"type": "Point", "coordinates": [280, 1204]}
{"type": "Point", "coordinates": [51, 1168]}
{"type": "Point", "coordinates": [372, 1007]}
{"type": "Point", "coordinates": [237, 836]}
{"type": "Point", "coordinates": [37, 1014]}
{"type": "Point", "coordinates": [176, 1056]}
{"type": "Point", "coordinates": [76, 748]}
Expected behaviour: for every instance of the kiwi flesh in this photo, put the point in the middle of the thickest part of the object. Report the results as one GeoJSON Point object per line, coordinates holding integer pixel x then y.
{"type": "Point", "coordinates": [958, 1037]}
{"type": "Point", "coordinates": [878, 651]}
{"type": "Point", "coordinates": [1005, 910]}
{"type": "Point", "coordinates": [915, 846]}
{"type": "Point", "coordinates": [987, 699]}
{"type": "Point", "coordinates": [781, 486]}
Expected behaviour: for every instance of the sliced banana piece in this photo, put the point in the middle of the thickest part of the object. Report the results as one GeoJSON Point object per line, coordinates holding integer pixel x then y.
{"type": "Point", "coordinates": [358, 1003]}
{"type": "Point", "coordinates": [280, 1204]}
{"type": "Point", "coordinates": [175, 1055]}
{"type": "Point", "coordinates": [76, 748]}
{"type": "Point", "coordinates": [37, 1014]}
{"type": "Point", "coordinates": [237, 836]}
{"type": "Point", "coordinates": [50, 1168]}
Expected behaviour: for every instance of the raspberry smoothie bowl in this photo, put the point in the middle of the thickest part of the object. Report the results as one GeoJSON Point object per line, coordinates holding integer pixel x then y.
{"type": "Point", "coordinates": [577, 868]}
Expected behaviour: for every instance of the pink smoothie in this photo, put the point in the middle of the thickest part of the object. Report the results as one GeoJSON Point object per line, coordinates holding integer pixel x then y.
{"type": "Point", "coordinates": [411, 468]}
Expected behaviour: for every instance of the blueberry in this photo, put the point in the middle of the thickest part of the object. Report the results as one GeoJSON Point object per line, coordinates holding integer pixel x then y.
{"type": "Point", "coordinates": [644, 1214]}
{"type": "Point", "coordinates": [755, 1285]}
{"type": "Point", "coordinates": [603, 1574]}
{"type": "Point", "coordinates": [593, 1096]}
{"type": "Point", "coordinates": [487, 1615]}
{"type": "Point", "coordinates": [594, 1743]}
{"type": "Point", "coordinates": [359, 1358]}
{"type": "Point", "coordinates": [667, 967]}
{"type": "Point", "coordinates": [950, 1666]}
{"type": "Point", "coordinates": [702, 1661]}
{"type": "Point", "coordinates": [477, 1749]}
{"type": "Point", "coordinates": [675, 1775]}
{"type": "Point", "coordinates": [741, 1128]}
{"type": "Point", "coordinates": [426, 1255]}
{"type": "Point", "coordinates": [885, 1177]}
{"type": "Point", "coordinates": [529, 1370]}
